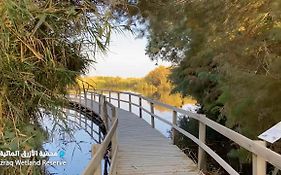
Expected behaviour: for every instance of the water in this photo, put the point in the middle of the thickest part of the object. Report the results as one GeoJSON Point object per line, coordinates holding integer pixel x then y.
{"type": "Point", "coordinates": [74, 141]}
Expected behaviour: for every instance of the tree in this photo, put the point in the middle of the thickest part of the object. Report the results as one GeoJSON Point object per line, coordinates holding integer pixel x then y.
{"type": "Point", "coordinates": [159, 78]}
{"type": "Point", "coordinates": [226, 54]}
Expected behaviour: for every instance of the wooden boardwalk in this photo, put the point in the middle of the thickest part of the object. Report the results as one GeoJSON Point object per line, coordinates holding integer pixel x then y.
{"type": "Point", "coordinates": [145, 151]}
{"type": "Point", "coordinates": [139, 149]}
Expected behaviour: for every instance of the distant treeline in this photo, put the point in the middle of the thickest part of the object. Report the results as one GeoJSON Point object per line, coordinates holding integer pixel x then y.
{"type": "Point", "coordinates": [157, 79]}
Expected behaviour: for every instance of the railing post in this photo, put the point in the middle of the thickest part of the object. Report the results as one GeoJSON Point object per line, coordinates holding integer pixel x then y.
{"type": "Point", "coordinates": [259, 164]}
{"type": "Point", "coordinates": [103, 111]}
{"type": "Point", "coordinates": [100, 135]}
{"type": "Point", "coordinates": [118, 97]}
{"type": "Point", "coordinates": [95, 148]}
{"type": "Point", "coordinates": [152, 117]}
{"type": "Point", "coordinates": [109, 96]}
{"type": "Point", "coordinates": [100, 104]}
{"type": "Point", "coordinates": [114, 138]}
{"type": "Point", "coordinates": [140, 106]}
{"type": "Point", "coordinates": [86, 105]}
{"type": "Point", "coordinates": [85, 98]}
{"type": "Point", "coordinates": [130, 101]}
{"type": "Point", "coordinates": [105, 114]}
{"type": "Point", "coordinates": [80, 107]}
{"type": "Point", "coordinates": [79, 99]}
{"type": "Point", "coordinates": [201, 152]}
{"type": "Point", "coordinates": [92, 102]}
{"type": "Point", "coordinates": [174, 123]}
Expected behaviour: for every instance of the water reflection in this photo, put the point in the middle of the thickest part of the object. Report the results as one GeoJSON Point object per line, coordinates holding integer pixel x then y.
{"type": "Point", "coordinates": [73, 135]}
{"type": "Point", "coordinates": [166, 97]}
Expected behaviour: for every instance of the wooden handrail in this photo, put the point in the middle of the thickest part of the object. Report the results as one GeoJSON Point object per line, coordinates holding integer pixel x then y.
{"type": "Point", "coordinates": [111, 136]}
{"type": "Point", "coordinates": [250, 145]}
{"type": "Point", "coordinates": [96, 160]}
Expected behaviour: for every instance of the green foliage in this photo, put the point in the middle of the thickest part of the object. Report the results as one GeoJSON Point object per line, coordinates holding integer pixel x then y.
{"type": "Point", "coordinates": [45, 46]}
{"type": "Point", "coordinates": [226, 55]}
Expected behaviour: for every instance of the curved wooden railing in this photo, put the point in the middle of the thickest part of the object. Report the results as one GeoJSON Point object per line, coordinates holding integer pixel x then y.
{"type": "Point", "coordinates": [108, 114]}
{"type": "Point", "coordinates": [261, 154]}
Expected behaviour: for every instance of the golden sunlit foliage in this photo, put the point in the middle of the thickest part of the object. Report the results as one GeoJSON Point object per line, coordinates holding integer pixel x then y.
{"type": "Point", "coordinates": [157, 79]}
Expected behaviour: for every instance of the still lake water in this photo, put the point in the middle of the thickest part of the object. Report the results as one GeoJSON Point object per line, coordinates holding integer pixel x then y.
{"type": "Point", "coordinates": [77, 139]}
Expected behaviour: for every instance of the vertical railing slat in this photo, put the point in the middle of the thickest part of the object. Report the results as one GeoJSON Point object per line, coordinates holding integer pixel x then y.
{"type": "Point", "coordinates": [258, 163]}
{"type": "Point", "coordinates": [140, 106]}
{"type": "Point", "coordinates": [118, 97]}
{"type": "Point", "coordinates": [99, 104]}
{"type": "Point", "coordinates": [174, 123]}
{"type": "Point", "coordinates": [201, 152]}
{"type": "Point", "coordinates": [92, 102]}
{"type": "Point", "coordinates": [152, 117]}
{"type": "Point", "coordinates": [130, 103]}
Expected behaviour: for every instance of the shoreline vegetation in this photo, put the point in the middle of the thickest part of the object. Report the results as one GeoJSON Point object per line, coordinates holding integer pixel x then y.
{"type": "Point", "coordinates": [154, 85]}
{"type": "Point", "coordinates": [155, 80]}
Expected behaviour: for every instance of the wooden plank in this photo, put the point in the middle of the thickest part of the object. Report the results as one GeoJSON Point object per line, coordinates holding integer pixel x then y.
{"type": "Point", "coordinates": [144, 150]}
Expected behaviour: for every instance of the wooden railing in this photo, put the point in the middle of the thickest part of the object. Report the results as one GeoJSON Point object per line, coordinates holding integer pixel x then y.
{"type": "Point", "coordinates": [108, 114]}
{"type": "Point", "coordinates": [261, 154]}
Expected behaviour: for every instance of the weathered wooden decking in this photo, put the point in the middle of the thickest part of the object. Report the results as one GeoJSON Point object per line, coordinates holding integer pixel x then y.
{"type": "Point", "coordinates": [145, 151]}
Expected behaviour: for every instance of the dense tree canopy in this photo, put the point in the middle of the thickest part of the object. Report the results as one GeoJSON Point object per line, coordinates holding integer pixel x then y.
{"type": "Point", "coordinates": [227, 54]}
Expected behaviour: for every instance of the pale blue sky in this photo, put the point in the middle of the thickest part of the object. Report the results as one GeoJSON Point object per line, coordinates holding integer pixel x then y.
{"type": "Point", "coordinates": [125, 58]}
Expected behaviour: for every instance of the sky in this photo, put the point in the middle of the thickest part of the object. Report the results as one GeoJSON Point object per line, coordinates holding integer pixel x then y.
{"type": "Point", "coordinates": [125, 58]}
